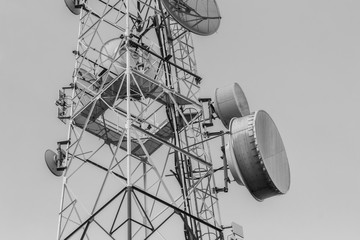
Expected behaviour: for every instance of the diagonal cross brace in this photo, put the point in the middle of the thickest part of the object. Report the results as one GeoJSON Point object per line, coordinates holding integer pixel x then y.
{"type": "Point", "coordinates": [172, 146]}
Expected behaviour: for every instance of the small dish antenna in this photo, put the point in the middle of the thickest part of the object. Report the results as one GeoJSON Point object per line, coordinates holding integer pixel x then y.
{"type": "Point", "coordinates": [201, 17]}
{"type": "Point", "coordinates": [260, 155]}
{"type": "Point", "coordinates": [73, 6]}
{"type": "Point", "coordinates": [230, 101]}
{"type": "Point", "coordinates": [53, 162]}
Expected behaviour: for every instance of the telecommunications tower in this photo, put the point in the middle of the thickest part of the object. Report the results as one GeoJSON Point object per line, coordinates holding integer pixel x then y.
{"type": "Point", "coordinates": [136, 160]}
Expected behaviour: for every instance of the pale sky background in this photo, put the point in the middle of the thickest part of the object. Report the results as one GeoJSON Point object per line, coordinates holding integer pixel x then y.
{"type": "Point", "coordinates": [298, 60]}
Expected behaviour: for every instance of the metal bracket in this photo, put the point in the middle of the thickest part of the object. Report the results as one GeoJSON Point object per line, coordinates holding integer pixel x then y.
{"type": "Point", "coordinates": [208, 122]}
{"type": "Point", "coordinates": [61, 155]}
{"type": "Point", "coordinates": [210, 134]}
{"type": "Point", "coordinates": [224, 189]}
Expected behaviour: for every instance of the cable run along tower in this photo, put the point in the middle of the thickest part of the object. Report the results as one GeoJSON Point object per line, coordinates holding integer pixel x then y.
{"type": "Point", "coordinates": [136, 161]}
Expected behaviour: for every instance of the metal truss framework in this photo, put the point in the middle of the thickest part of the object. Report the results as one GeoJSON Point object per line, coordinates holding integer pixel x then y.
{"type": "Point", "coordinates": [138, 165]}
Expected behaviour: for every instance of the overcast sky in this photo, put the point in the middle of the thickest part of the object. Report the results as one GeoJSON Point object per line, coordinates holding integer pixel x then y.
{"type": "Point", "coordinates": [298, 60]}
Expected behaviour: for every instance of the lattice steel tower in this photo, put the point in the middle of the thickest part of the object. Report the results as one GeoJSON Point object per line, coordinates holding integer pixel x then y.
{"type": "Point", "coordinates": [136, 162]}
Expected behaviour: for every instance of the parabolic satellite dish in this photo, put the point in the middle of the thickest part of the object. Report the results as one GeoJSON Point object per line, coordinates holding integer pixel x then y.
{"type": "Point", "coordinates": [230, 102]}
{"type": "Point", "coordinates": [201, 17]}
{"type": "Point", "coordinates": [260, 155]}
{"type": "Point", "coordinates": [72, 6]}
{"type": "Point", "coordinates": [50, 159]}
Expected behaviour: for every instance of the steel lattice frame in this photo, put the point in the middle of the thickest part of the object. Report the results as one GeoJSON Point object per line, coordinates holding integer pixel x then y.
{"type": "Point", "coordinates": [135, 78]}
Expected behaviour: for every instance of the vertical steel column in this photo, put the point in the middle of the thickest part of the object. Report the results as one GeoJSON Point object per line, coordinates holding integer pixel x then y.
{"type": "Point", "coordinates": [129, 230]}
{"type": "Point", "coordinates": [145, 199]}
{"type": "Point", "coordinates": [128, 115]}
{"type": "Point", "coordinates": [128, 120]}
{"type": "Point", "coordinates": [64, 179]}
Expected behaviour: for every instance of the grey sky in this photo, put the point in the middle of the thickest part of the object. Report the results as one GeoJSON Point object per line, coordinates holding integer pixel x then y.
{"type": "Point", "coordinates": [298, 60]}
